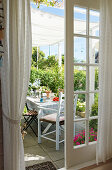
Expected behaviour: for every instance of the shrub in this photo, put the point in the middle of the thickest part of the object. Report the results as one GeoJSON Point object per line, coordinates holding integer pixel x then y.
{"type": "Point", "coordinates": [33, 75]}
{"type": "Point", "coordinates": [52, 78]}
{"type": "Point", "coordinates": [79, 80]}
{"type": "Point", "coordinates": [94, 109]}
{"type": "Point", "coordinates": [80, 106]}
{"type": "Point", "coordinates": [94, 112]}
{"type": "Point", "coordinates": [96, 78]}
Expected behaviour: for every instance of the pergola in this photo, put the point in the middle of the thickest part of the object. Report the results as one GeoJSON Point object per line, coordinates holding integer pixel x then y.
{"type": "Point", "coordinates": [48, 29]}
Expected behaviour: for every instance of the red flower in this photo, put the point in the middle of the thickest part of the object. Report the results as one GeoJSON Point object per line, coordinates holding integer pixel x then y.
{"type": "Point", "coordinates": [56, 99]}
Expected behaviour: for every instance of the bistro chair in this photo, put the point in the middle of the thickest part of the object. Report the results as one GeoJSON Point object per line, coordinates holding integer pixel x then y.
{"type": "Point", "coordinates": [30, 117]}
{"type": "Point", "coordinates": [56, 118]}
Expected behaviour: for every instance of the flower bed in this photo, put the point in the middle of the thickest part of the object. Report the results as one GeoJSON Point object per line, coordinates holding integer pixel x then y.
{"type": "Point", "coordinates": [80, 137]}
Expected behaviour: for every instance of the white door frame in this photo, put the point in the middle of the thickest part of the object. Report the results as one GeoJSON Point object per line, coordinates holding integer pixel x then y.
{"type": "Point", "coordinates": [88, 152]}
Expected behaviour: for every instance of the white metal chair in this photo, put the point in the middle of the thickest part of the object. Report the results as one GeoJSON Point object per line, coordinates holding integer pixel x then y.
{"type": "Point", "coordinates": [56, 118]}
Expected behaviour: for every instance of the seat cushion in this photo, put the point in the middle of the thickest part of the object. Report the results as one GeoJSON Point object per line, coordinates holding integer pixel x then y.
{"type": "Point", "coordinates": [51, 118]}
{"type": "Point", "coordinates": [30, 113]}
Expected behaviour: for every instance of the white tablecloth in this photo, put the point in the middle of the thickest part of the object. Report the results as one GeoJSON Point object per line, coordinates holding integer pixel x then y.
{"type": "Point", "coordinates": [34, 103]}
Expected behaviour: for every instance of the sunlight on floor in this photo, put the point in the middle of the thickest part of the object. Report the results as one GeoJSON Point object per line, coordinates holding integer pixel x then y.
{"type": "Point", "coordinates": [31, 157]}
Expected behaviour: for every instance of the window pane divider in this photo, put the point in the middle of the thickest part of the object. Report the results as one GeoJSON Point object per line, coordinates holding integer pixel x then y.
{"type": "Point", "coordinates": [86, 92]}
{"type": "Point", "coordinates": [85, 36]}
{"type": "Point", "coordinates": [80, 119]}
{"type": "Point", "coordinates": [85, 64]}
{"type": "Point", "coordinates": [93, 117]}
{"type": "Point", "coordinates": [94, 91]}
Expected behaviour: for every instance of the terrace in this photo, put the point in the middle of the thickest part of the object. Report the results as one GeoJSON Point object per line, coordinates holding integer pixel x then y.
{"type": "Point", "coordinates": [38, 153]}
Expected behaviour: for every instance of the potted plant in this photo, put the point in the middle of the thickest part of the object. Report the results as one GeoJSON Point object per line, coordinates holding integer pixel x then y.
{"type": "Point", "coordinates": [80, 110]}
{"type": "Point", "coordinates": [48, 91]}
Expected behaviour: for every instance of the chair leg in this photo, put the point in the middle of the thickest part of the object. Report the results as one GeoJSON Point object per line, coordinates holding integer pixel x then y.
{"type": "Point", "coordinates": [39, 131]}
{"type": "Point", "coordinates": [59, 130]}
{"type": "Point", "coordinates": [57, 135]}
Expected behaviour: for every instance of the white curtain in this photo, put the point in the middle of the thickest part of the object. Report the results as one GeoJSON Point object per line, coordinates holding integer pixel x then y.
{"type": "Point", "coordinates": [104, 146]}
{"type": "Point", "coordinates": [15, 78]}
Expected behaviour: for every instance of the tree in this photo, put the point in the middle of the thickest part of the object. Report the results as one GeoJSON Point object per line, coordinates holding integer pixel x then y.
{"type": "Point", "coordinates": [41, 56]}
{"type": "Point", "coordinates": [48, 2]}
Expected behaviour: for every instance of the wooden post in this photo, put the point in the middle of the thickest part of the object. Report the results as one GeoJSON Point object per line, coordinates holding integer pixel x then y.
{"type": "Point", "coordinates": [37, 56]}
{"type": "Point", "coordinates": [59, 54]}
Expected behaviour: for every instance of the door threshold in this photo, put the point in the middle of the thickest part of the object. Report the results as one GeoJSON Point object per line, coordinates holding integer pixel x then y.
{"type": "Point", "coordinates": [79, 167]}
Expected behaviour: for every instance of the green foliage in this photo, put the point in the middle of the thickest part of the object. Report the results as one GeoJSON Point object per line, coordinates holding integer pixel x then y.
{"type": "Point", "coordinates": [45, 63]}
{"type": "Point", "coordinates": [41, 57]}
{"type": "Point", "coordinates": [50, 75]}
{"type": "Point", "coordinates": [48, 71]}
{"type": "Point", "coordinates": [62, 59]}
{"type": "Point", "coordinates": [48, 2]}
{"type": "Point", "coordinates": [25, 110]}
{"type": "Point", "coordinates": [52, 78]}
{"type": "Point", "coordinates": [94, 112]}
{"type": "Point", "coordinates": [34, 54]}
{"type": "Point", "coordinates": [94, 108]}
{"type": "Point", "coordinates": [79, 80]}
{"type": "Point", "coordinates": [93, 124]}
{"type": "Point", "coordinates": [33, 75]}
{"type": "Point", "coordinates": [96, 78]}
{"type": "Point", "coordinates": [80, 106]}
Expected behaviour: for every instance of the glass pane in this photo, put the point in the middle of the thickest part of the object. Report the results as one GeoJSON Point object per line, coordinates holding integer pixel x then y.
{"type": "Point", "coordinates": [94, 50]}
{"type": "Point", "coordinates": [79, 50]}
{"type": "Point", "coordinates": [93, 78]}
{"type": "Point", "coordinates": [81, 106]}
{"type": "Point", "coordinates": [93, 104]}
{"type": "Point", "coordinates": [94, 23]}
{"type": "Point", "coordinates": [93, 125]}
{"type": "Point", "coordinates": [79, 20]}
{"type": "Point", "coordinates": [79, 133]}
{"type": "Point", "coordinates": [79, 78]}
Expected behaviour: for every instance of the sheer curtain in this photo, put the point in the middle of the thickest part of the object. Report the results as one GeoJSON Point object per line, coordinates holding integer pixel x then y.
{"type": "Point", "coordinates": [15, 77]}
{"type": "Point", "coordinates": [104, 145]}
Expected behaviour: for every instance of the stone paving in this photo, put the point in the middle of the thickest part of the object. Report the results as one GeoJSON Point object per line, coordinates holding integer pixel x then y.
{"type": "Point", "coordinates": [46, 151]}
{"type": "Point", "coordinates": [36, 153]}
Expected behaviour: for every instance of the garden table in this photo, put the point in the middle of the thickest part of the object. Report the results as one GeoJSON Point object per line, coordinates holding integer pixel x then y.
{"type": "Point", "coordinates": [34, 103]}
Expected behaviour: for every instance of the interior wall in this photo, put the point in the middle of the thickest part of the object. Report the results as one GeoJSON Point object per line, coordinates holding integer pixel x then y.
{"type": "Point", "coordinates": [1, 133]}
{"type": "Point", "coordinates": [1, 127]}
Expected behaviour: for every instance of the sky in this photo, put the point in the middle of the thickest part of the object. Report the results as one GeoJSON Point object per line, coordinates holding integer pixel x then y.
{"type": "Point", "coordinates": [79, 43]}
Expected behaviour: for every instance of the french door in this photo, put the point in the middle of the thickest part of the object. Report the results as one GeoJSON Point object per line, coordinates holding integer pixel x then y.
{"type": "Point", "coordinates": [81, 77]}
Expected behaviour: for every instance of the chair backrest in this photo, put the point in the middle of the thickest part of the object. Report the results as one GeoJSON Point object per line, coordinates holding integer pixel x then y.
{"type": "Point", "coordinates": [75, 103]}
{"type": "Point", "coordinates": [62, 103]}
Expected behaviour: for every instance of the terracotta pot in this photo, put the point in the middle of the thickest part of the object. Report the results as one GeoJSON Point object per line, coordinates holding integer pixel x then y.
{"type": "Point", "coordinates": [81, 114]}
{"type": "Point", "coordinates": [47, 92]}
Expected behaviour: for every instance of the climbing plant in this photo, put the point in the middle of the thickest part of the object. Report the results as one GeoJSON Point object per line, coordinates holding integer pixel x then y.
{"type": "Point", "coordinates": [48, 2]}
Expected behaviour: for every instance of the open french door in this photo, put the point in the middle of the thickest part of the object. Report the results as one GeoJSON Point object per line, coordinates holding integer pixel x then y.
{"type": "Point", "coordinates": [81, 58]}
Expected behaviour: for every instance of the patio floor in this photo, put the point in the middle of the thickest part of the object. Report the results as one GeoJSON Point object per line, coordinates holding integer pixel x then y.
{"type": "Point", "coordinates": [36, 153]}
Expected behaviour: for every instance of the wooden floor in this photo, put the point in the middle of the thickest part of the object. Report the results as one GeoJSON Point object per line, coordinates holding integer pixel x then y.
{"type": "Point", "coordinates": [101, 166]}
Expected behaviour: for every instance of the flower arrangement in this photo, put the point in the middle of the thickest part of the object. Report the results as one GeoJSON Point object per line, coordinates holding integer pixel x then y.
{"type": "Point", "coordinates": [56, 99]}
{"type": "Point", "coordinates": [80, 137]}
